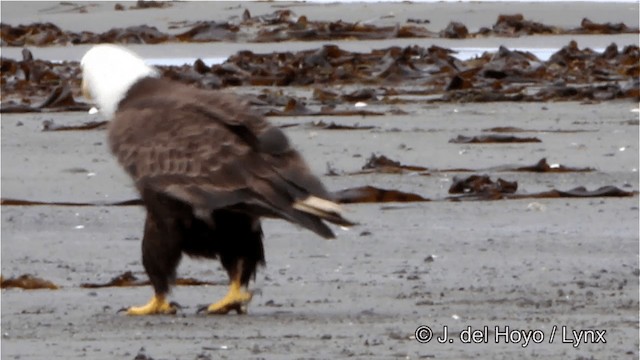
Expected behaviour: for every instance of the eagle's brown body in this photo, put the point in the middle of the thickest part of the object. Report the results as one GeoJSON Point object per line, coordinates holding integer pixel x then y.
{"type": "Point", "coordinates": [207, 169]}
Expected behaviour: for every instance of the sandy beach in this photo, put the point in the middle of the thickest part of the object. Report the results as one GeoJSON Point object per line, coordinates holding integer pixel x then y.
{"type": "Point", "coordinates": [537, 278]}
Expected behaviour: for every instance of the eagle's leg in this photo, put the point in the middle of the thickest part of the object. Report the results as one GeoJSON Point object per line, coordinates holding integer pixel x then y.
{"type": "Point", "coordinates": [240, 252]}
{"type": "Point", "coordinates": [160, 256]}
{"type": "Point", "coordinates": [238, 297]}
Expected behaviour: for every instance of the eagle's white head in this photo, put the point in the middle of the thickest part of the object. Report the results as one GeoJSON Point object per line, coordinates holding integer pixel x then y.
{"type": "Point", "coordinates": [108, 71]}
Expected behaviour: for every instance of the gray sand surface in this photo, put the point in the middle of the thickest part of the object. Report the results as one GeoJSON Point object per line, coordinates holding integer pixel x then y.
{"type": "Point", "coordinates": [532, 265]}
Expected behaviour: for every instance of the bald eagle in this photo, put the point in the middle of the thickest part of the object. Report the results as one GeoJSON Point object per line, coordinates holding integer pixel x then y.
{"type": "Point", "coordinates": [207, 167]}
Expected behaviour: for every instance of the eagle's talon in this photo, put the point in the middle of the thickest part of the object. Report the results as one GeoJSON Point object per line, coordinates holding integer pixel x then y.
{"type": "Point", "coordinates": [239, 307]}
{"type": "Point", "coordinates": [208, 309]}
{"type": "Point", "coordinates": [237, 299]}
{"type": "Point", "coordinates": [157, 306]}
{"type": "Point", "coordinates": [175, 305]}
{"type": "Point", "coordinates": [224, 307]}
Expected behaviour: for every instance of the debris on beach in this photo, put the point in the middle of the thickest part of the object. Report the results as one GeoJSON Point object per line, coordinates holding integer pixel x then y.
{"type": "Point", "coordinates": [49, 125]}
{"type": "Point", "coordinates": [371, 194]}
{"type": "Point", "coordinates": [150, 4]}
{"type": "Point", "coordinates": [333, 126]}
{"type": "Point", "coordinates": [127, 279]}
{"type": "Point", "coordinates": [27, 282]}
{"type": "Point", "coordinates": [543, 166]}
{"type": "Point", "coordinates": [494, 138]}
{"type": "Point", "coordinates": [285, 25]}
{"type": "Point", "coordinates": [481, 187]}
{"type": "Point", "coordinates": [296, 107]}
{"type": "Point", "coordinates": [428, 75]}
{"type": "Point", "coordinates": [31, 85]}
{"type": "Point", "coordinates": [62, 98]}
{"type": "Point", "coordinates": [24, 202]}
{"type": "Point", "coordinates": [513, 129]}
{"type": "Point", "coordinates": [383, 164]}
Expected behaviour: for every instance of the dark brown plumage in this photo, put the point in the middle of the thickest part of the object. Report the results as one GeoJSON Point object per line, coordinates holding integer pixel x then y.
{"type": "Point", "coordinates": [208, 168]}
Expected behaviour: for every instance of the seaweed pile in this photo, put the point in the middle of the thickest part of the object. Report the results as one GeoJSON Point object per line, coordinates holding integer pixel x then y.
{"type": "Point", "coordinates": [32, 85]}
{"type": "Point", "coordinates": [285, 25]}
{"type": "Point", "coordinates": [126, 279]}
{"type": "Point", "coordinates": [386, 74]}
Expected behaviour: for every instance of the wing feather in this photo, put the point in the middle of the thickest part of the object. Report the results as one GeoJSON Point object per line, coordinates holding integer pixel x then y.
{"type": "Point", "coordinates": [210, 151]}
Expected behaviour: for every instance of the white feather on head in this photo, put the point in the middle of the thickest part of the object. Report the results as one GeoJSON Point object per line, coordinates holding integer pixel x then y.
{"type": "Point", "coordinates": [108, 71]}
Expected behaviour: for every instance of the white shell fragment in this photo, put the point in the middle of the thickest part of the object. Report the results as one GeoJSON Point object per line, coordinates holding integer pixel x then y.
{"type": "Point", "coordinates": [536, 206]}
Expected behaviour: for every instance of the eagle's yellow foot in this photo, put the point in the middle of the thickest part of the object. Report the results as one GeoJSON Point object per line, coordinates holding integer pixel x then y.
{"type": "Point", "coordinates": [157, 305]}
{"type": "Point", "coordinates": [236, 299]}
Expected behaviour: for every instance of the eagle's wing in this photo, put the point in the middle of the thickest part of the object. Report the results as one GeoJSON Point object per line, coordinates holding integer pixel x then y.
{"type": "Point", "coordinates": [208, 150]}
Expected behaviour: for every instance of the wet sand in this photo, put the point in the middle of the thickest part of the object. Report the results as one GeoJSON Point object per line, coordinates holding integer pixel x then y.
{"type": "Point", "coordinates": [549, 264]}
